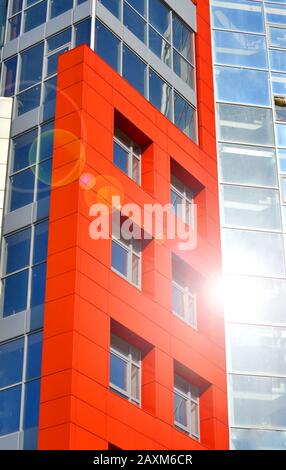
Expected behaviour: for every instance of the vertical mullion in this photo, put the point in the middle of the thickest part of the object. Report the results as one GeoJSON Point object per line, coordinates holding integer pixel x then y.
{"type": "Point", "coordinates": [129, 374]}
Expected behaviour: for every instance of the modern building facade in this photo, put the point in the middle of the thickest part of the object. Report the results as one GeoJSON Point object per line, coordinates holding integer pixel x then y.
{"type": "Point", "coordinates": [249, 41]}
{"type": "Point", "coordinates": [103, 343]}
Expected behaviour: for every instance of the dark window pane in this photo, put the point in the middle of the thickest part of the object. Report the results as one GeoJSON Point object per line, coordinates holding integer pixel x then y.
{"type": "Point", "coordinates": [134, 70]}
{"type": "Point", "coordinates": [52, 61]}
{"type": "Point", "coordinates": [38, 285]}
{"type": "Point", "coordinates": [134, 22]}
{"type": "Point", "coordinates": [10, 68]}
{"type": "Point", "coordinates": [16, 6]}
{"type": "Point", "coordinates": [119, 258]}
{"type": "Point", "coordinates": [60, 6]}
{"type": "Point", "coordinates": [28, 100]}
{"type": "Point", "coordinates": [118, 372]}
{"type": "Point", "coordinates": [14, 26]}
{"type": "Point", "coordinates": [10, 401]}
{"type": "Point", "coordinates": [31, 66]}
{"type": "Point", "coordinates": [50, 89]}
{"type": "Point", "coordinates": [17, 250]}
{"type": "Point", "coordinates": [120, 158]}
{"type": "Point", "coordinates": [159, 46]}
{"type": "Point", "coordinates": [46, 141]}
{"type": "Point", "coordinates": [41, 242]}
{"type": "Point", "coordinates": [160, 94]}
{"type": "Point", "coordinates": [15, 303]}
{"type": "Point", "coordinates": [24, 150]}
{"type": "Point", "coordinates": [44, 179]}
{"type": "Point", "coordinates": [11, 362]}
{"type": "Point", "coordinates": [185, 117]}
{"type": "Point", "coordinates": [113, 6]}
{"type": "Point", "coordinates": [34, 360]}
{"type": "Point", "coordinates": [22, 189]}
{"type": "Point", "coordinates": [107, 46]}
{"type": "Point", "coordinates": [35, 16]}
{"type": "Point", "coordinates": [32, 404]}
{"type": "Point", "coordinates": [82, 32]}
{"type": "Point", "coordinates": [183, 69]}
{"type": "Point", "coordinates": [55, 42]}
{"type": "Point", "coordinates": [159, 17]}
{"type": "Point", "coordinates": [182, 38]}
{"type": "Point", "coordinates": [139, 5]}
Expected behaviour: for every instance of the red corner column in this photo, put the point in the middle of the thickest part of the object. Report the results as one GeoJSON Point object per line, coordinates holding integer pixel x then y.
{"type": "Point", "coordinates": [86, 300]}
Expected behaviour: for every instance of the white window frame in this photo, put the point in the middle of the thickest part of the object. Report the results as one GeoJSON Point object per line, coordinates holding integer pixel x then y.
{"type": "Point", "coordinates": [192, 398]}
{"type": "Point", "coordinates": [131, 251]}
{"type": "Point", "coordinates": [129, 149]}
{"type": "Point", "coordinates": [130, 361]}
{"type": "Point", "coordinates": [187, 201]}
{"type": "Point", "coordinates": [190, 299]}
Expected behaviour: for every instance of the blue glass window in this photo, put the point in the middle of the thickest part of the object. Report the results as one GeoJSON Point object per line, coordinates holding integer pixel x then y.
{"type": "Point", "coordinates": [10, 69]}
{"type": "Point", "coordinates": [34, 360]}
{"type": "Point", "coordinates": [118, 372]}
{"type": "Point", "coordinates": [17, 6]}
{"type": "Point", "coordinates": [41, 242]}
{"type": "Point", "coordinates": [10, 402]}
{"type": "Point", "coordinates": [23, 150]}
{"type": "Point", "coordinates": [113, 6]}
{"type": "Point", "coordinates": [35, 16]}
{"type": "Point", "coordinates": [229, 79]}
{"type": "Point", "coordinates": [134, 70]}
{"type": "Point", "coordinates": [46, 141]}
{"type": "Point", "coordinates": [159, 17]}
{"type": "Point", "coordinates": [120, 158]}
{"type": "Point", "coordinates": [32, 404]}
{"type": "Point", "coordinates": [185, 116]}
{"type": "Point", "coordinates": [11, 362]}
{"type": "Point", "coordinates": [28, 100]}
{"type": "Point", "coordinates": [160, 94]}
{"type": "Point", "coordinates": [22, 189]}
{"type": "Point", "coordinates": [240, 49]}
{"type": "Point", "coordinates": [159, 46]}
{"type": "Point", "coordinates": [119, 258]}
{"type": "Point", "coordinates": [15, 26]}
{"type": "Point", "coordinates": [60, 6]}
{"type": "Point", "coordinates": [82, 32]}
{"type": "Point", "coordinates": [134, 22]}
{"type": "Point", "coordinates": [107, 46]}
{"type": "Point", "coordinates": [17, 250]}
{"type": "Point", "coordinates": [44, 179]}
{"type": "Point", "coordinates": [15, 303]}
{"type": "Point", "coordinates": [38, 285]}
{"type": "Point", "coordinates": [244, 15]}
{"type": "Point", "coordinates": [31, 66]}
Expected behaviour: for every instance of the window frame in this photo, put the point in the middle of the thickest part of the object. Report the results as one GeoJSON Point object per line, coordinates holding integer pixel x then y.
{"type": "Point", "coordinates": [131, 155]}
{"type": "Point", "coordinates": [187, 201]}
{"type": "Point", "coordinates": [189, 300]}
{"type": "Point", "coordinates": [128, 247]}
{"type": "Point", "coordinates": [192, 397]}
{"type": "Point", "coordinates": [129, 361]}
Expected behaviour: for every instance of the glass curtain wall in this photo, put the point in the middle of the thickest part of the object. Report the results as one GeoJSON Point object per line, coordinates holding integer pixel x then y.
{"type": "Point", "coordinates": [249, 49]}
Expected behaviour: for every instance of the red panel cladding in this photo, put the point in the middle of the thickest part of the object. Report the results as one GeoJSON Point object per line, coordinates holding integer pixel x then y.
{"type": "Point", "coordinates": [78, 411]}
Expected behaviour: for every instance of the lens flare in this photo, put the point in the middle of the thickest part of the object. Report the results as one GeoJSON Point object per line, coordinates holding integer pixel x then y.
{"type": "Point", "coordinates": [106, 188]}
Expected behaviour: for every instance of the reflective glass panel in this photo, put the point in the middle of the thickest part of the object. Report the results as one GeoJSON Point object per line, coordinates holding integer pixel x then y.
{"type": "Point", "coordinates": [247, 165]}
{"type": "Point", "coordinates": [247, 50]}
{"type": "Point", "coordinates": [11, 362]}
{"type": "Point", "coordinates": [254, 253]}
{"type": "Point", "coordinates": [230, 86]}
{"type": "Point", "coordinates": [258, 401]}
{"type": "Point", "coordinates": [256, 349]}
{"type": "Point", "coordinates": [251, 207]}
{"type": "Point", "coordinates": [244, 124]}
